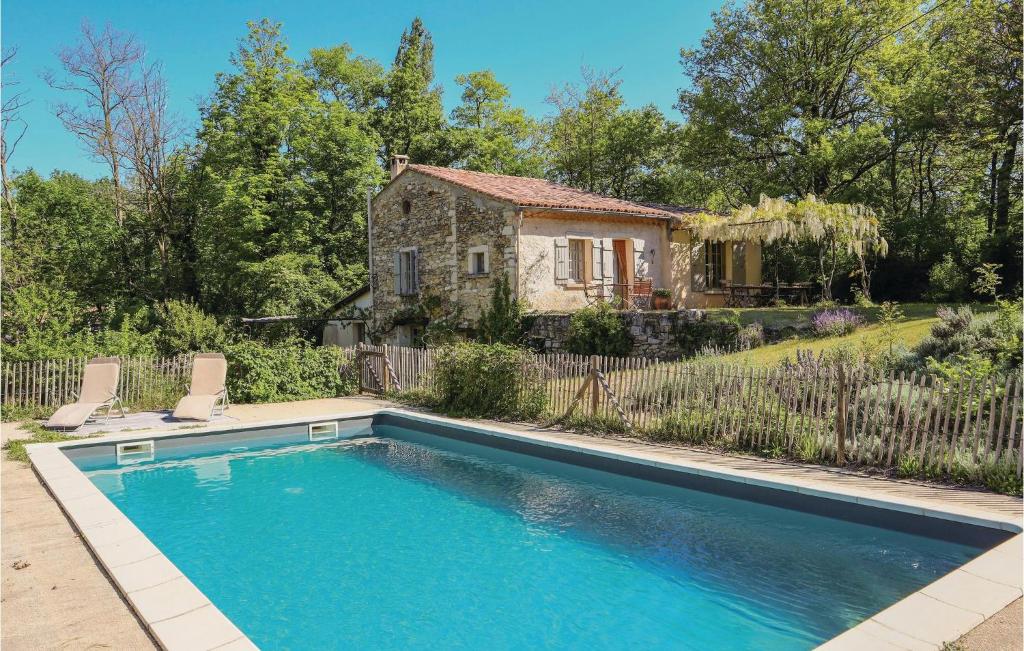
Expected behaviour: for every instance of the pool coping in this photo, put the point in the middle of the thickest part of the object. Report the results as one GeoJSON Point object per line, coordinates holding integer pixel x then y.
{"type": "Point", "coordinates": [179, 615]}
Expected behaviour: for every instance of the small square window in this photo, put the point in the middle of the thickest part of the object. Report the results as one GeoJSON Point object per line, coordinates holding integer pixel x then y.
{"type": "Point", "coordinates": [478, 263]}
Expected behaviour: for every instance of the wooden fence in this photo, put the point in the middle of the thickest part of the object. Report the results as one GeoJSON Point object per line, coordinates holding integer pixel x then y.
{"type": "Point", "coordinates": [808, 410]}
{"type": "Point", "coordinates": [55, 382]}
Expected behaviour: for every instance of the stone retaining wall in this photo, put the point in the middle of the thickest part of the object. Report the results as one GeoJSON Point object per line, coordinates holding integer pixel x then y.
{"type": "Point", "coordinates": [661, 334]}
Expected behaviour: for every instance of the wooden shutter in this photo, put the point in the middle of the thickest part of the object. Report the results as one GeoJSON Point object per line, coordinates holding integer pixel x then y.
{"type": "Point", "coordinates": [561, 260]}
{"type": "Point", "coordinates": [415, 259]}
{"type": "Point", "coordinates": [608, 265]}
{"type": "Point", "coordinates": [698, 264]}
{"type": "Point", "coordinates": [640, 269]}
{"type": "Point", "coordinates": [398, 272]}
{"type": "Point", "coordinates": [597, 261]}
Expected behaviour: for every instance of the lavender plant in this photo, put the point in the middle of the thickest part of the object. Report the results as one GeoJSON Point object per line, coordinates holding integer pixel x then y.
{"type": "Point", "coordinates": [835, 323]}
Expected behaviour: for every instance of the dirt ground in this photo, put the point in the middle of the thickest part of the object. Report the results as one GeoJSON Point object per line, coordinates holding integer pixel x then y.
{"type": "Point", "coordinates": [1003, 631]}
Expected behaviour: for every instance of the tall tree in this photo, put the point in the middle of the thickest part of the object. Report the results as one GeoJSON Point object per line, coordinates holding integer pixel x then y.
{"type": "Point", "coordinates": [12, 130]}
{"type": "Point", "coordinates": [777, 88]}
{"type": "Point", "coordinates": [101, 69]}
{"type": "Point", "coordinates": [411, 118]}
{"type": "Point", "coordinates": [356, 81]}
{"type": "Point", "coordinates": [284, 176]}
{"type": "Point", "coordinates": [488, 134]}
{"type": "Point", "coordinates": [596, 144]}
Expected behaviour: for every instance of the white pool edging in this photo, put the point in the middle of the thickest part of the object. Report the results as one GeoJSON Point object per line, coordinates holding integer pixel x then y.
{"type": "Point", "coordinates": [179, 616]}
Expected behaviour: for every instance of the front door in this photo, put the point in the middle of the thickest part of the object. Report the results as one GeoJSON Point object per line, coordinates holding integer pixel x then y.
{"type": "Point", "coordinates": [623, 268]}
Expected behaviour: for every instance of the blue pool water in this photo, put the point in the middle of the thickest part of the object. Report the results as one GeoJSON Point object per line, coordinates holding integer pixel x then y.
{"type": "Point", "coordinates": [409, 540]}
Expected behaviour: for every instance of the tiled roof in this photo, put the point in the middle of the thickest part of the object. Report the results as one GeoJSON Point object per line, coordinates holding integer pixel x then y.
{"type": "Point", "coordinates": [539, 193]}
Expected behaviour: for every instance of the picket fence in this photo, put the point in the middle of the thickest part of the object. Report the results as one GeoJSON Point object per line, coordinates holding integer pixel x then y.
{"type": "Point", "coordinates": [55, 382]}
{"type": "Point", "coordinates": [808, 410]}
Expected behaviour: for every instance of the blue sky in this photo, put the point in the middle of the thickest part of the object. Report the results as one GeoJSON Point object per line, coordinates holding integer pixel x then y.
{"type": "Point", "coordinates": [531, 45]}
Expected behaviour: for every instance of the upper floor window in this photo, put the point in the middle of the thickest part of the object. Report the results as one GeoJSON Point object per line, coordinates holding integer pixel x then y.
{"type": "Point", "coordinates": [479, 260]}
{"type": "Point", "coordinates": [406, 272]}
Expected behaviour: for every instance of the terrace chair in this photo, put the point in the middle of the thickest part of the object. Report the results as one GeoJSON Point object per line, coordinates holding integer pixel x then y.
{"type": "Point", "coordinates": [207, 390]}
{"type": "Point", "coordinates": [99, 389]}
{"type": "Point", "coordinates": [641, 293]}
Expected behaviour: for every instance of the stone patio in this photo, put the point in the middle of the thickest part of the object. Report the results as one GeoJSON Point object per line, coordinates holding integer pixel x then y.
{"type": "Point", "coordinates": [143, 420]}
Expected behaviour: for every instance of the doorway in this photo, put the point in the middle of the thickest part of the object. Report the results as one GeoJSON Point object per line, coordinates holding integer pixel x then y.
{"type": "Point", "coordinates": [622, 269]}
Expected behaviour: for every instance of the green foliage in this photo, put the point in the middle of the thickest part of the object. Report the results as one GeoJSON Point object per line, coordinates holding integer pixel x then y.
{"type": "Point", "coordinates": [946, 281]}
{"type": "Point", "coordinates": [15, 448]}
{"type": "Point", "coordinates": [287, 371]}
{"type": "Point", "coordinates": [41, 322]}
{"type": "Point", "coordinates": [857, 116]}
{"type": "Point", "coordinates": [488, 134]}
{"type": "Point", "coordinates": [598, 330]}
{"type": "Point", "coordinates": [282, 183]}
{"type": "Point", "coordinates": [987, 280]}
{"type": "Point", "coordinates": [502, 322]}
{"type": "Point", "coordinates": [411, 117]}
{"type": "Point", "coordinates": [969, 344]}
{"type": "Point", "coordinates": [488, 381]}
{"type": "Point", "coordinates": [14, 413]}
{"type": "Point", "coordinates": [890, 315]}
{"type": "Point", "coordinates": [595, 143]}
{"type": "Point", "coordinates": [184, 328]}
{"type": "Point", "coordinates": [713, 334]}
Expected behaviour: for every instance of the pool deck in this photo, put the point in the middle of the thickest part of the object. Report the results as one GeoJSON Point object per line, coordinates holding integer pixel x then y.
{"type": "Point", "coordinates": [63, 599]}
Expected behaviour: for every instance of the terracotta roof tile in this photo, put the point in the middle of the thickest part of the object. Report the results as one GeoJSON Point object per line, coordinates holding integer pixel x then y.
{"type": "Point", "coordinates": [540, 193]}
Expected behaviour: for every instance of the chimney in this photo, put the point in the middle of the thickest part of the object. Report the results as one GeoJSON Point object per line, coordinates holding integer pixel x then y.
{"type": "Point", "coordinates": [398, 164]}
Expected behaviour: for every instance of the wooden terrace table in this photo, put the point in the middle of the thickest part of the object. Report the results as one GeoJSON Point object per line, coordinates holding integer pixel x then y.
{"type": "Point", "coordinates": [739, 295]}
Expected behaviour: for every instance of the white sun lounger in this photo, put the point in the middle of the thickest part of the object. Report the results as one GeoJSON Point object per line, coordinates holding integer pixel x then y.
{"type": "Point", "coordinates": [207, 391]}
{"type": "Point", "coordinates": [98, 390]}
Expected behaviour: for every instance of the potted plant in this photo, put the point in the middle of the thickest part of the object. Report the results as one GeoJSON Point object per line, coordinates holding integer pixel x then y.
{"type": "Point", "coordinates": [662, 299]}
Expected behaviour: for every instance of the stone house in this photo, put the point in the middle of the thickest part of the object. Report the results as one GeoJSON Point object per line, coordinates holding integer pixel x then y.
{"type": "Point", "coordinates": [440, 236]}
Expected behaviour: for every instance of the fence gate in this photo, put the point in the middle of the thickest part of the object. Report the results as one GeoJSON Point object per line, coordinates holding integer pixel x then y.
{"type": "Point", "coordinates": [375, 371]}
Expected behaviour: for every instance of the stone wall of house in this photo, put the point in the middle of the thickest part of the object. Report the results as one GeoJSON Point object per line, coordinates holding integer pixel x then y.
{"type": "Point", "coordinates": [444, 222]}
{"type": "Point", "coordinates": [661, 334]}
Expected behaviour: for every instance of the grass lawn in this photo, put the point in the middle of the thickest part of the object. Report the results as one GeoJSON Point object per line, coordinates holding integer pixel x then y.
{"type": "Point", "coordinates": [781, 317]}
{"type": "Point", "coordinates": [920, 317]}
{"type": "Point", "coordinates": [911, 332]}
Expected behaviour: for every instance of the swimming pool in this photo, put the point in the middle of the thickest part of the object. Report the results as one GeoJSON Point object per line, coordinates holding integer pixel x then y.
{"type": "Point", "coordinates": [401, 534]}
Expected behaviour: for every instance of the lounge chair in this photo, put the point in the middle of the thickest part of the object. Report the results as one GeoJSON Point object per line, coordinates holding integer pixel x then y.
{"type": "Point", "coordinates": [99, 389]}
{"type": "Point", "coordinates": [207, 392]}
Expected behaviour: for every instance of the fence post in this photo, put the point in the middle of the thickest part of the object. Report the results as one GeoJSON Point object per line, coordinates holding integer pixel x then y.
{"type": "Point", "coordinates": [841, 415]}
{"type": "Point", "coordinates": [595, 387]}
{"type": "Point", "coordinates": [360, 359]}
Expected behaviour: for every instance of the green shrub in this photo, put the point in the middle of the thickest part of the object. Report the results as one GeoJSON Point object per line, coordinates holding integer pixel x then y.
{"type": "Point", "coordinates": [946, 281]}
{"type": "Point", "coordinates": [184, 328]}
{"type": "Point", "coordinates": [488, 381]}
{"type": "Point", "coordinates": [975, 344]}
{"type": "Point", "coordinates": [15, 448]}
{"type": "Point", "coordinates": [598, 330]}
{"type": "Point", "coordinates": [502, 322]}
{"type": "Point", "coordinates": [293, 370]}
{"type": "Point", "coordinates": [13, 413]}
{"type": "Point", "coordinates": [696, 337]}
